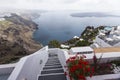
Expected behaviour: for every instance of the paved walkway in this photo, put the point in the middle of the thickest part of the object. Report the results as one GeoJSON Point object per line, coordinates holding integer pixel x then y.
{"type": "Point", "coordinates": [53, 69]}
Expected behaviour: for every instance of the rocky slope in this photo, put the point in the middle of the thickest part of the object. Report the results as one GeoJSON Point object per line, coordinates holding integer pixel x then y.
{"type": "Point", "coordinates": [16, 38]}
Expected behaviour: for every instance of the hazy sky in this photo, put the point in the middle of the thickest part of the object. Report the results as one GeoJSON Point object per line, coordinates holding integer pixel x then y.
{"type": "Point", "coordinates": [85, 5]}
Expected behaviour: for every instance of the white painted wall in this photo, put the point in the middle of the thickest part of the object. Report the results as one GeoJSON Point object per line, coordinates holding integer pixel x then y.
{"type": "Point", "coordinates": [29, 67]}
{"type": "Point", "coordinates": [105, 57]}
{"type": "Point", "coordinates": [104, 77]}
{"type": "Point", "coordinates": [63, 56]}
{"type": "Point", "coordinates": [6, 68]}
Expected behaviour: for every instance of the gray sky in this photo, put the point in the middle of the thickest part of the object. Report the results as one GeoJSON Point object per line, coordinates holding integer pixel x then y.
{"type": "Point", "coordinates": [84, 5]}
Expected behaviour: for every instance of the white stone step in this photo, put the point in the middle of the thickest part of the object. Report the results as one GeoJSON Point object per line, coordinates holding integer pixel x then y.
{"type": "Point", "coordinates": [51, 74]}
{"type": "Point", "coordinates": [52, 67]}
{"type": "Point", "coordinates": [52, 71]}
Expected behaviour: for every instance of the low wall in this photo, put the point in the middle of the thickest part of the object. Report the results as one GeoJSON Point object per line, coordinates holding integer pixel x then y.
{"type": "Point", "coordinates": [62, 58]}
{"type": "Point", "coordinates": [29, 67]}
{"type": "Point", "coordinates": [105, 77]}
{"type": "Point", "coordinates": [105, 56]}
{"type": "Point", "coordinates": [109, 56]}
{"type": "Point", "coordinates": [63, 55]}
{"type": "Point", "coordinates": [6, 68]}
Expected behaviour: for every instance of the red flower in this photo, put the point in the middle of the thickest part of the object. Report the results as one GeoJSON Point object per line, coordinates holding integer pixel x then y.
{"type": "Point", "coordinates": [80, 66]}
{"type": "Point", "coordinates": [92, 70]}
{"type": "Point", "coordinates": [88, 69]}
{"type": "Point", "coordinates": [80, 61]}
{"type": "Point", "coordinates": [74, 57]}
{"type": "Point", "coordinates": [85, 63]}
{"type": "Point", "coordinates": [67, 60]}
{"type": "Point", "coordinates": [81, 77]}
{"type": "Point", "coordinates": [73, 69]}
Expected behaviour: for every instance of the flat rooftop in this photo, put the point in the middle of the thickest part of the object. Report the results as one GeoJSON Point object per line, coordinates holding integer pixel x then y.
{"type": "Point", "coordinates": [107, 49]}
{"type": "Point", "coordinates": [81, 49]}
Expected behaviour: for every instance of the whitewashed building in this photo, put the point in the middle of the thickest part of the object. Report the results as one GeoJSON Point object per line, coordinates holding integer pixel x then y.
{"type": "Point", "coordinates": [64, 46]}
{"type": "Point", "coordinates": [76, 37]}
{"type": "Point", "coordinates": [81, 50]}
{"type": "Point", "coordinates": [109, 37]}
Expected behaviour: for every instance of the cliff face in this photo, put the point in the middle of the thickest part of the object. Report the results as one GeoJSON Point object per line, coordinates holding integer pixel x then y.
{"type": "Point", "coordinates": [16, 38]}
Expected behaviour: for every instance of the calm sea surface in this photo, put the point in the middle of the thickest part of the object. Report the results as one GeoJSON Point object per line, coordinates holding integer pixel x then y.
{"type": "Point", "coordinates": [61, 26]}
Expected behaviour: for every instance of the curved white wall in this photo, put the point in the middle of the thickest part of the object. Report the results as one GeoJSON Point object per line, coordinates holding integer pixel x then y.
{"type": "Point", "coordinates": [30, 67]}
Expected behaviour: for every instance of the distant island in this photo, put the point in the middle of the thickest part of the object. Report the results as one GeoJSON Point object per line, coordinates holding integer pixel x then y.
{"type": "Point", "coordinates": [16, 33]}
{"type": "Point", "coordinates": [93, 14]}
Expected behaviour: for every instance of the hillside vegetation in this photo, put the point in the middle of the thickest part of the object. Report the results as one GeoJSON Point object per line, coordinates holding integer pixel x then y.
{"type": "Point", "coordinates": [87, 36]}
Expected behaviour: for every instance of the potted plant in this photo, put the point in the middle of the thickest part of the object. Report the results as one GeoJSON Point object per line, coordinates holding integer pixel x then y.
{"type": "Point", "coordinates": [78, 68]}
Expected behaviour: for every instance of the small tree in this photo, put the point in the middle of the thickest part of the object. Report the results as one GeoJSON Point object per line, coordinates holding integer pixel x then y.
{"type": "Point", "coordinates": [54, 44]}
